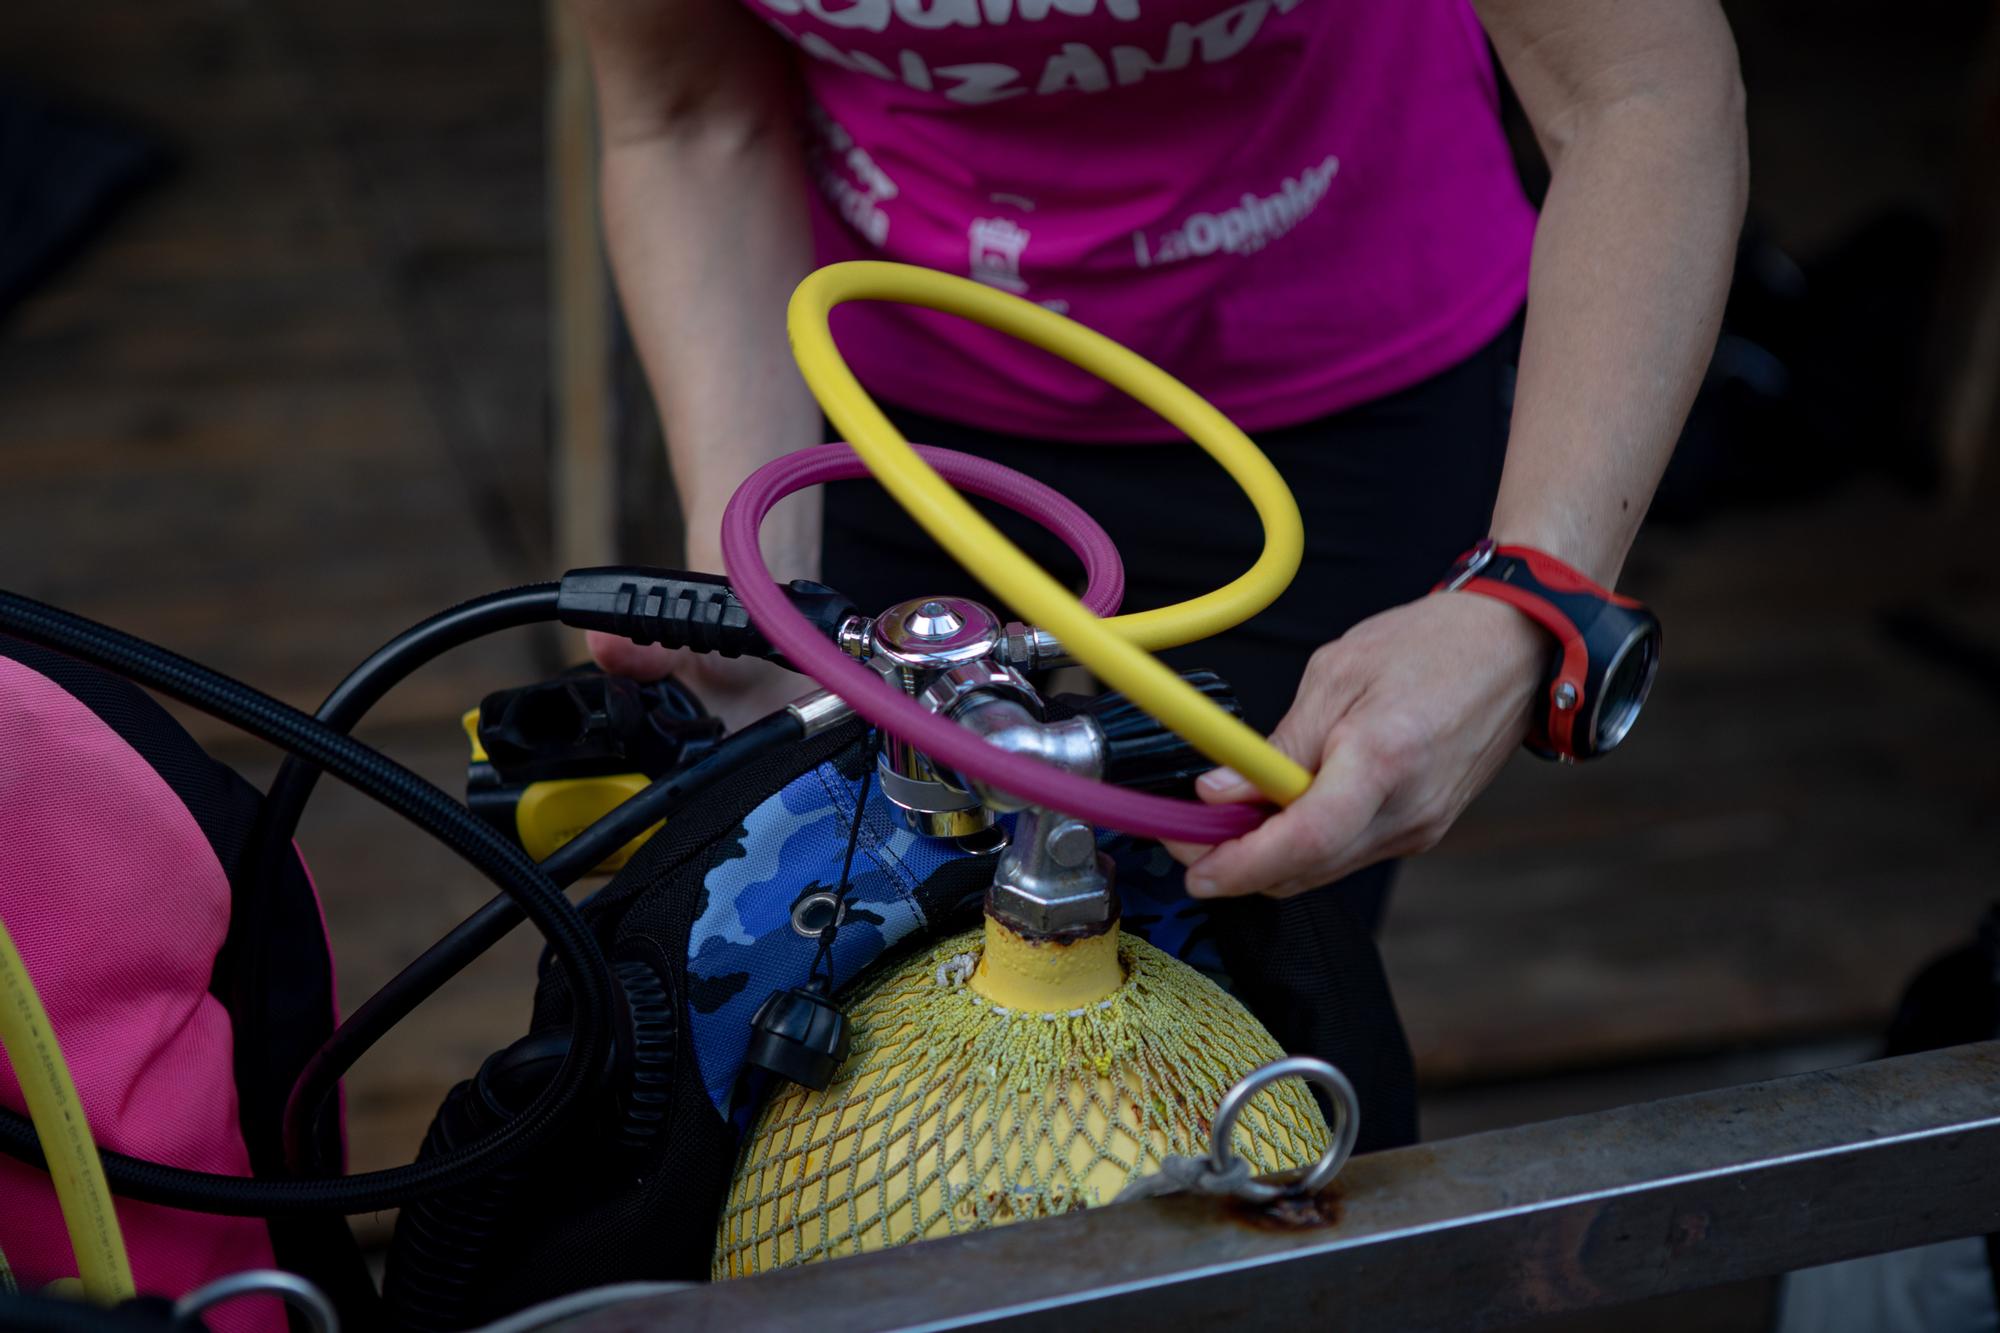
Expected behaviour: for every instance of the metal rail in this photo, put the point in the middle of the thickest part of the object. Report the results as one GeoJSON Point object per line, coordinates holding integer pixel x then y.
{"type": "Point", "coordinates": [1477, 1232]}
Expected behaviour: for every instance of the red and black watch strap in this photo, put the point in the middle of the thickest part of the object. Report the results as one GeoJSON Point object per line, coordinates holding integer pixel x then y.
{"type": "Point", "coordinates": [1576, 612]}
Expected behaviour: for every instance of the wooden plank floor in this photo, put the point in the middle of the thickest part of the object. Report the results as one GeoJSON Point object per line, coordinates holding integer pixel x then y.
{"type": "Point", "coordinates": [293, 400]}
{"type": "Point", "coordinates": [244, 423]}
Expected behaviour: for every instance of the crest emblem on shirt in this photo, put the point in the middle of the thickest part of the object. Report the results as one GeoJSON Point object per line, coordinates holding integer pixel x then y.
{"type": "Point", "coordinates": [996, 245]}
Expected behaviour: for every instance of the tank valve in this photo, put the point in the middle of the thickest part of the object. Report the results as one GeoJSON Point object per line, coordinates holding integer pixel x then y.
{"type": "Point", "coordinates": [1052, 880]}
{"type": "Point", "coordinates": [913, 644]}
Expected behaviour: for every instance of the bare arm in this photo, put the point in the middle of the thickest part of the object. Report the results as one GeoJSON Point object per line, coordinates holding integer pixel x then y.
{"type": "Point", "coordinates": [705, 217]}
{"type": "Point", "coordinates": [1639, 110]}
{"type": "Point", "coordinates": [1407, 716]}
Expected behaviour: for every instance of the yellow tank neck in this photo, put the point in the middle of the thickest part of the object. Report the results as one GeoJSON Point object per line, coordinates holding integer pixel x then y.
{"type": "Point", "coordinates": [1047, 975]}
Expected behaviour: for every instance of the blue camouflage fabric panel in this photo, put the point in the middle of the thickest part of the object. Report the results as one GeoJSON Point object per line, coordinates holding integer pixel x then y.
{"type": "Point", "coordinates": [1152, 895]}
{"type": "Point", "coordinates": [742, 946]}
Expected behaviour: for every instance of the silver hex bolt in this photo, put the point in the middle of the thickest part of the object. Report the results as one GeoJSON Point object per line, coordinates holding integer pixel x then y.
{"type": "Point", "coordinates": [1072, 845]}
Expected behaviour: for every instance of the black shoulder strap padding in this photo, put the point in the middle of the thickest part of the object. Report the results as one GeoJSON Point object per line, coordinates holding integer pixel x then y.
{"type": "Point", "coordinates": [578, 1221]}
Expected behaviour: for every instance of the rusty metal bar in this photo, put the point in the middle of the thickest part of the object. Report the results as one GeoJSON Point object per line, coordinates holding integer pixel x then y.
{"type": "Point", "coordinates": [1478, 1232]}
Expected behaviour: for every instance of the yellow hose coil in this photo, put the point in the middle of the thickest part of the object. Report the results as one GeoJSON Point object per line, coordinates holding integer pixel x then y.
{"type": "Point", "coordinates": [57, 1113]}
{"type": "Point", "coordinates": [1116, 649]}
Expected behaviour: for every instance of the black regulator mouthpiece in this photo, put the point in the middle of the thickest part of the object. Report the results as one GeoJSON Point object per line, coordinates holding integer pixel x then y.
{"type": "Point", "coordinates": [799, 1034]}
{"type": "Point", "coordinates": [586, 722]}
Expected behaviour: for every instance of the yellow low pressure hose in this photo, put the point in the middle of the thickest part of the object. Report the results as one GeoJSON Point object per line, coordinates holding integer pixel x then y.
{"type": "Point", "coordinates": [57, 1113]}
{"type": "Point", "coordinates": [1115, 649]}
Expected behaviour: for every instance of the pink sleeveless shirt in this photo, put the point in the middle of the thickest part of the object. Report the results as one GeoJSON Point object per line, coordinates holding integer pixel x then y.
{"type": "Point", "coordinates": [1292, 205]}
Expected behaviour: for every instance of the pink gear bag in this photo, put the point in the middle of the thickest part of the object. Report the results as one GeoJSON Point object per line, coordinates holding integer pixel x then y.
{"type": "Point", "coordinates": [118, 836]}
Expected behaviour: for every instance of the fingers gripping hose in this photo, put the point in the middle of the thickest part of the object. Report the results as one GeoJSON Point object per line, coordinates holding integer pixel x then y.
{"type": "Point", "coordinates": [431, 810]}
{"type": "Point", "coordinates": [1114, 650]}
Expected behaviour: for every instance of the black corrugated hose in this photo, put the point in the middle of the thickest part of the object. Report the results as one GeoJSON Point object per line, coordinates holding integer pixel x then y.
{"type": "Point", "coordinates": [394, 661]}
{"type": "Point", "coordinates": [269, 845]}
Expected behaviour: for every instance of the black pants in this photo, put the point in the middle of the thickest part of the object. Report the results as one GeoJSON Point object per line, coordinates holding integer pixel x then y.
{"type": "Point", "coordinates": [1392, 492]}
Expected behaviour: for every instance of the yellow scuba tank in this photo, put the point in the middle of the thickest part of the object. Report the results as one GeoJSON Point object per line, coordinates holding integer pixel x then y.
{"type": "Point", "coordinates": [1001, 1076]}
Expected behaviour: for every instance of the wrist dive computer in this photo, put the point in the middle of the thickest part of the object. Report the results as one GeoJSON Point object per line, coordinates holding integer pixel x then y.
{"type": "Point", "coordinates": [1607, 648]}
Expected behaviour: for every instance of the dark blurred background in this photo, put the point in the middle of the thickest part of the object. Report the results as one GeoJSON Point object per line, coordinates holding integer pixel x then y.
{"type": "Point", "coordinates": [303, 336]}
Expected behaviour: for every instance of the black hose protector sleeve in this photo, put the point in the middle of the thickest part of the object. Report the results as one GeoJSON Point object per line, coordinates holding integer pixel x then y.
{"type": "Point", "coordinates": [312, 1095]}
{"type": "Point", "coordinates": [679, 609]}
{"type": "Point", "coordinates": [1139, 751]}
{"type": "Point", "coordinates": [422, 804]}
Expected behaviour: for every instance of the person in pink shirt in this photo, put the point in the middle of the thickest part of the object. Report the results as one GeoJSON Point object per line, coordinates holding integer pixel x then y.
{"type": "Point", "coordinates": [1307, 211]}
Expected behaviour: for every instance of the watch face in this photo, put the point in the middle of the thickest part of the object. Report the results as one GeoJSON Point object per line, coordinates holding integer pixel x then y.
{"type": "Point", "coordinates": [1626, 684]}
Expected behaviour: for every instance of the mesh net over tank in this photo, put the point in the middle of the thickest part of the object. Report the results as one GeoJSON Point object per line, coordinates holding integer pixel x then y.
{"type": "Point", "coordinates": [953, 1114]}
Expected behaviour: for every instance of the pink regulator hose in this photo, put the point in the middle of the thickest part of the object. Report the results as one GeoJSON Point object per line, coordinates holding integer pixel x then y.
{"type": "Point", "coordinates": [881, 703]}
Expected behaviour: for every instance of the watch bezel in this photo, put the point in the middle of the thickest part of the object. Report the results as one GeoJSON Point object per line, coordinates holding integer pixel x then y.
{"type": "Point", "coordinates": [1576, 719]}
{"type": "Point", "coordinates": [1606, 735]}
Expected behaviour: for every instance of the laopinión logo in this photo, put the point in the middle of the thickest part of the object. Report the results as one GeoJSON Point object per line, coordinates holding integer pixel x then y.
{"type": "Point", "coordinates": [1247, 227]}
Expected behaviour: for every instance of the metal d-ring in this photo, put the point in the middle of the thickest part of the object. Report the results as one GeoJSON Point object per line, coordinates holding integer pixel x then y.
{"type": "Point", "coordinates": [290, 1288]}
{"type": "Point", "coordinates": [1346, 1125]}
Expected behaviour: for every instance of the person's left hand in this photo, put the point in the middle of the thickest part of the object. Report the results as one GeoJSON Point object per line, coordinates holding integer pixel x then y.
{"type": "Point", "coordinates": [1403, 719]}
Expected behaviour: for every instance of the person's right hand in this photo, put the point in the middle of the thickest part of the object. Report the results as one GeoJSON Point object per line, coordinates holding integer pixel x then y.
{"type": "Point", "coordinates": [739, 690]}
